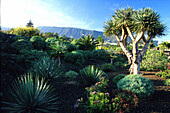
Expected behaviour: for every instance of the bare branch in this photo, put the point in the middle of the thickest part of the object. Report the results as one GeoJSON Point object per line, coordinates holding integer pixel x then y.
{"type": "Point", "coordinates": [140, 35]}
{"type": "Point", "coordinates": [130, 33]}
{"type": "Point", "coordinates": [144, 39]}
{"type": "Point", "coordinates": [144, 49]}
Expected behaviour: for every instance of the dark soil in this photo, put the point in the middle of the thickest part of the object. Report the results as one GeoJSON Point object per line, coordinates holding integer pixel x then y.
{"type": "Point", "coordinates": [69, 91]}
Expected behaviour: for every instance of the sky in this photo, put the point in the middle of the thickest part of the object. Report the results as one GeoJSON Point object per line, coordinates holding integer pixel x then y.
{"type": "Point", "coordinates": [85, 14]}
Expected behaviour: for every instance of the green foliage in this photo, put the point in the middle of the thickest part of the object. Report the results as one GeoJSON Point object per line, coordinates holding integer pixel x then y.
{"type": "Point", "coordinates": [47, 68]}
{"type": "Point", "coordinates": [28, 57]}
{"type": "Point", "coordinates": [71, 47]}
{"type": "Point", "coordinates": [154, 60]}
{"type": "Point", "coordinates": [86, 43]}
{"type": "Point", "coordinates": [99, 100]}
{"type": "Point", "coordinates": [117, 78]}
{"type": "Point", "coordinates": [119, 64]}
{"type": "Point", "coordinates": [38, 42]}
{"type": "Point", "coordinates": [71, 75]}
{"type": "Point", "coordinates": [164, 45]}
{"type": "Point", "coordinates": [59, 48]}
{"type": "Point", "coordinates": [141, 86]}
{"type": "Point", "coordinates": [165, 74]}
{"type": "Point", "coordinates": [31, 95]}
{"type": "Point", "coordinates": [51, 41]}
{"type": "Point", "coordinates": [107, 67]}
{"type": "Point", "coordinates": [167, 82]}
{"type": "Point", "coordinates": [99, 54]}
{"type": "Point", "coordinates": [90, 75]}
{"type": "Point", "coordinates": [74, 57]}
{"type": "Point", "coordinates": [22, 44]}
{"type": "Point", "coordinates": [119, 49]}
{"type": "Point", "coordinates": [25, 31]}
{"type": "Point", "coordinates": [18, 38]}
{"type": "Point", "coordinates": [124, 102]}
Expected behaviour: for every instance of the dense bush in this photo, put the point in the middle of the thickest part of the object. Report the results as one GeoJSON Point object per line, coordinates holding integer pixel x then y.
{"type": "Point", "coordinates": [18, 38]}
{"type": "Point", "coordinates": [165, 74]}
{"type": "Point", "coordinates": [22, 44]}
{"type": "Point", "coordinates": [154, 60]}
{"type": "Point", "coordinates": [124, 102]}
{"type": "Point", "coordinates": [107, 67]}
{"type": "Point", "coordinates": [117, 78]}
{"type": "Point", "coordinates": [38, 42]}
{"type": "Point", "coordinates": [100, 101]}
{"type": "Point", "coordinates": [74, 57]}
{"type": "Point", "coordinates": [167, 82]}
{"type": "Point", "coordinates": [71, 75]}
{"type": "Point", "coordinates": [138, 84]}
{"type": "Point", "coordinates": [90, 75]}
{"type": "Point", "coordinates": [28, 57]}
{"type": "Point", "coordinates": [31, 95]}
{"type": "Point", "coordinates": [99, 54]}
{"type": "Point", "coordinates": [47, 68]}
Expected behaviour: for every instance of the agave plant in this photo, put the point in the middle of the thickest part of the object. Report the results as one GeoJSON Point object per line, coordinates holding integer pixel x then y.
{"type": "Point", "coordinates": [48, 68]}
{"type": "Point", "coordinates": [90, 75]}
{"type": "Point", "coordinates": [31, 95]}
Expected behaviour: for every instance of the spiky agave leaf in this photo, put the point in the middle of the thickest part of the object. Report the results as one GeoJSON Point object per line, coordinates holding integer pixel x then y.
{"type": "Point", "coordinates": [90, 75]}
{"type": "Point", "coordinates": [31, 95]}
{"type": "Point", "coordinates": [48, 68]}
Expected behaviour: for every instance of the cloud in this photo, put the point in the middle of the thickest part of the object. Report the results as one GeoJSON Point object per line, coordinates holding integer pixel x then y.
{"type": "Point", "coordinates": [17, 13]}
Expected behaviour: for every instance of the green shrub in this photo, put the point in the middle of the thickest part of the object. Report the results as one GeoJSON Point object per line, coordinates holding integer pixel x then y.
{"type": "Point", "coordinates": [117, 78]}
{"type": "Point", "coordinates": [71, 47]}
{"type": "Point", "coordinates": [71, 75]}
{"type": "Point", "coordinates": [31, 95]}
{"type": "Point", "coordinates": [107, 67]}
{"type": "Point", "coordinates": [167, 82]}
{"type": "Point", "coordinates": [88, 54]}
{"type": "Point", "coordinates": [38, 42]}
{"type": "Point", "coordinates": [90, 75]}
{"type": "Point", "coordinates": [47, 68]}
{"type": "Point", "coordinates": [28, 57]}
{"type": "Point", "coordinates": [154, 60]}
{"type": "Point", "coordinates": [18, 38]}
{"type": "Point", "coordinates": [119, 64]}
{"type": "Point", "coordinates": [99, 54]}
{"type": "Point", "coordinates": [165, 74]}
{"type": "Point", "coordinates": [51, 40]}
{"type": "Point", "coordinates": [119, 49]}
{"type": "Point", "coordinates": [22, 44]}
{"type": "Point", "coordinates": [99, 100]}
{"type": "Point", "coordinates": [124, 102]}
{"type": "Point", "coordinates": [74, 57]}
{"type": "Point", "coordinates": [142, 86]}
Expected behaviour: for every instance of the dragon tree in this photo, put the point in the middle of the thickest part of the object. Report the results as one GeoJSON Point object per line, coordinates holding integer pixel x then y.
{"type": "Point", "coordinates": [140, 25]}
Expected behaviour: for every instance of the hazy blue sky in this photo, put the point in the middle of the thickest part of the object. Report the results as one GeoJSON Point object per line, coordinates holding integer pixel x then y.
{"type": "Point", "coordinates": [86, 14]}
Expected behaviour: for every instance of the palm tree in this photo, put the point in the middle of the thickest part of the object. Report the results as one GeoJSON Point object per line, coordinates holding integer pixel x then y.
{"type": "Point", "coordinates": [143, 24]}
{"type": "Point", "coordinates": [87, 43]}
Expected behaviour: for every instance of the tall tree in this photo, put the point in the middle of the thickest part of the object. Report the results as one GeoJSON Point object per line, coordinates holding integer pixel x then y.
{"type": "Point", "coordinates": [143, 24]}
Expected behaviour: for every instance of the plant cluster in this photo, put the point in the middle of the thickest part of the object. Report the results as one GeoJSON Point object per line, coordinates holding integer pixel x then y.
{"type": "Point", "coordinates": [90, 75]}
{"type": "Point", "coordinates": [141, 86]}
{"type": "Point", "coordinates": [30, 94]}
{"type": "Point", "coordinates": [74, 57]}
{"type": "Point", "coordinates": [165, 74]}
{"type": "Point", "coordinates": [117, 78]}
{"type": "Point", "coordinates": [22, 44]}
{"type": "Point", "coordinates": [100, 54]}
{"type": "Point", "coordinates": [154, 60]}
{"type": "Point", "coordinates": [167, 82]}
{"type": "Point", "coordinates": [38, 42]}
{"type": "Point", "coordinates": [71, 75]}
{"type": "Point", "coordinates": [48, 68]}
{"type": "Point", "coordinates": [99, 100]}
{"type": "Point", "coordinates": [107, 67]}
